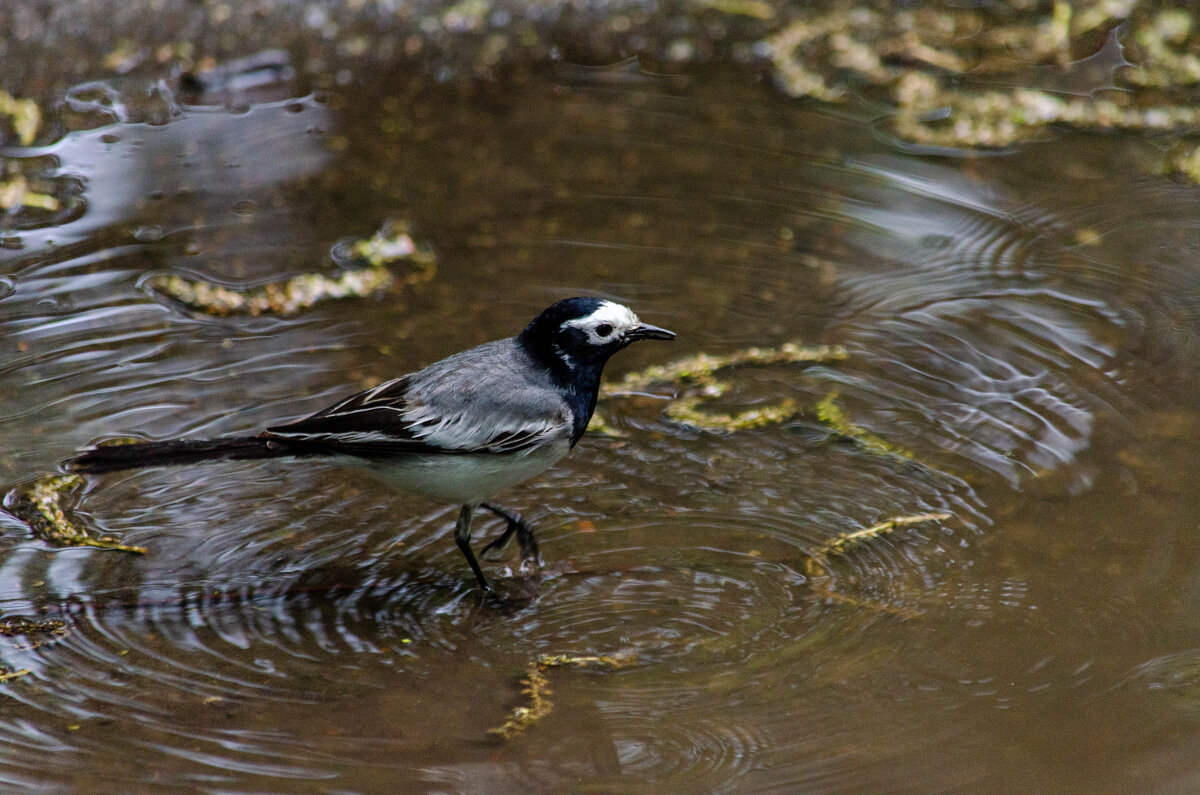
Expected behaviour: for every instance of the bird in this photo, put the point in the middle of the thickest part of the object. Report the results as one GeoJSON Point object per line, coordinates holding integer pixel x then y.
{"type": "Point", "coordinates": [460, 431]}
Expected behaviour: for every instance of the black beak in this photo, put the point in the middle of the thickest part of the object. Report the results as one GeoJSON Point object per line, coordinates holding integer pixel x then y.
{"type": "Point", "coordinates": [647, 332]}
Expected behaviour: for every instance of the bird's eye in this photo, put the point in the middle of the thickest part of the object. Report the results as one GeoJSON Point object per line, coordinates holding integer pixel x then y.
{"type": "Point", "coordinates": [604, 329]}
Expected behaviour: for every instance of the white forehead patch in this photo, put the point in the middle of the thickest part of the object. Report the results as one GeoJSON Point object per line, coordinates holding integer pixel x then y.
{"type": "Point", "coordinates": [619, 319]}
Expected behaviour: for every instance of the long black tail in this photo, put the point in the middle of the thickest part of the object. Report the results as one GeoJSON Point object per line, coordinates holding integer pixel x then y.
{"type": "Point", "coordinates": [115, 457]}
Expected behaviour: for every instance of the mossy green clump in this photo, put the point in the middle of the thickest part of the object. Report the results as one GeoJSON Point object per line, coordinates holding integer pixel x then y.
{"type": "Point", "coordinates": [536, 687]}
{"type": "Point", "coordinates": [40, 505]}
{"type": "Point", "coordinates": [370, 275]}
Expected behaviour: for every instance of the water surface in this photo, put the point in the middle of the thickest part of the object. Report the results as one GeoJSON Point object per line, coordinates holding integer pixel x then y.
{"type": "Point", "coordinates": [1023, 325]}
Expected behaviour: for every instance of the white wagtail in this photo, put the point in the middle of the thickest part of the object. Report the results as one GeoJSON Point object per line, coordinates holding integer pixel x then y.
{"type": "Point", "coordinates": [461, 430]}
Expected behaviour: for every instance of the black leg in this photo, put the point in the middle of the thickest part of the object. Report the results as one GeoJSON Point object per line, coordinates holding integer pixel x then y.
{"type": "Point", "coordinates": [502, 539]}
{"type": "Point", "coordinates": [530, 556]}
{"type": "Point", "coordinates": [462, 537]}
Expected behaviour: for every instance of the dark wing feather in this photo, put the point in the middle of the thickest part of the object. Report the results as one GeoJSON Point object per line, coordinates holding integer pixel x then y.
{"type": "Point", "coordinates": [482, 400]}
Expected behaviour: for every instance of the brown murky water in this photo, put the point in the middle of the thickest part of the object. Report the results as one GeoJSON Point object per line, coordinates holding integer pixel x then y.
{"type": "Point", "coordinates": [1025, 325]}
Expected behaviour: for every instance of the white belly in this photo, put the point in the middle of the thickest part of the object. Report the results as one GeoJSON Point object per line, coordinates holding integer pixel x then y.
{"type": "Point", "coordinates": [463, 479]}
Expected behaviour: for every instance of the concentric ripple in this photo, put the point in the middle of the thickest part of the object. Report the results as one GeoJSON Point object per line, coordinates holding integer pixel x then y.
{"type": "Point", "coordinates": [968, 323]}
{"type": "Point", "coordinates": [1172, 676]}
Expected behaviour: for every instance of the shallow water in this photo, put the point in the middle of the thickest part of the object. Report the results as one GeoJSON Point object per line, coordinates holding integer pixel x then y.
{"type": "Point", "coordinates": [1023, 325]}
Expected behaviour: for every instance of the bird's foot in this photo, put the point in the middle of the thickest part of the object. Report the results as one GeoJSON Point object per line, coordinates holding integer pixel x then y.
{"type": "Point", "coordinates": [531, 558]}
{"type": "Point", "coordinates": [498, 542]}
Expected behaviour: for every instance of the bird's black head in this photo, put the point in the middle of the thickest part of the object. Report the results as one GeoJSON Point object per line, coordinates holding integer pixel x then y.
{"type": "Point", "coordinates": [575, 337]}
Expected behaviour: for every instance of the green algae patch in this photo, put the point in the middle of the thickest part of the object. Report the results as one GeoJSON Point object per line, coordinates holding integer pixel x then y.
{"type": "Point", "coordinates": [833, 416]}
{"type": "Point", "coordinates": [23, 115]}
{"type": "Point", "coordinates": [818, 568]}
{"type": "Point", "coordinates": [702, 366]}
{"type": "Point", "coordinates": [1165, 41]}
{"type": "Point", "coordinates": [982, 77]}
{"type": "Point", "coordinates": [16, 193]}
{"type": "Point", "coordinates": [535, 686]}
{"type": "Point", "coordinates": [844, 542]}
{"type": "Point", "coordinates": [690, 410]}
{"type": "Point", "coordinates": [279, 298]}
{"type": "Point", "coordinates": [391, 244]}
{"type": "Point", "coordinates": [754, 9]}
{"type": "Point", "coordinates": [696, 384]}
{"type": "Point", "coordinates": [367, 271]}
{"type": "Point", "coordinates": [695, 381]}
{"type": "Point", "coordinates": [45, 505]}
{"type": "Point", "coordinates": [1185, 161]}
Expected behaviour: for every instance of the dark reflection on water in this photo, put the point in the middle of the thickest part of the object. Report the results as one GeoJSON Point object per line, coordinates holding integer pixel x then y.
{"type": "Point", "coordinates": [1033, 347]}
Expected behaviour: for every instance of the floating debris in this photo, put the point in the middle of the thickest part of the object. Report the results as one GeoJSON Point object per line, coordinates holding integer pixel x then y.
{"type": "Point", "coordinates": [536, 687]}
{"type": "Point", "coordinates": [11, 626]}
{"type": "Point", "coordinates": [365, 274]}
{"type": "Point", "coordinates": [818, 570]}
{"type": "Point", "coordinates": [24, 115]}
{"type": "Point", "coordinates": [841, 543]}
{"type": "Point", "coordinates": [40, 506]}
{"type": "Point", "coordinates": [36, 632]}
